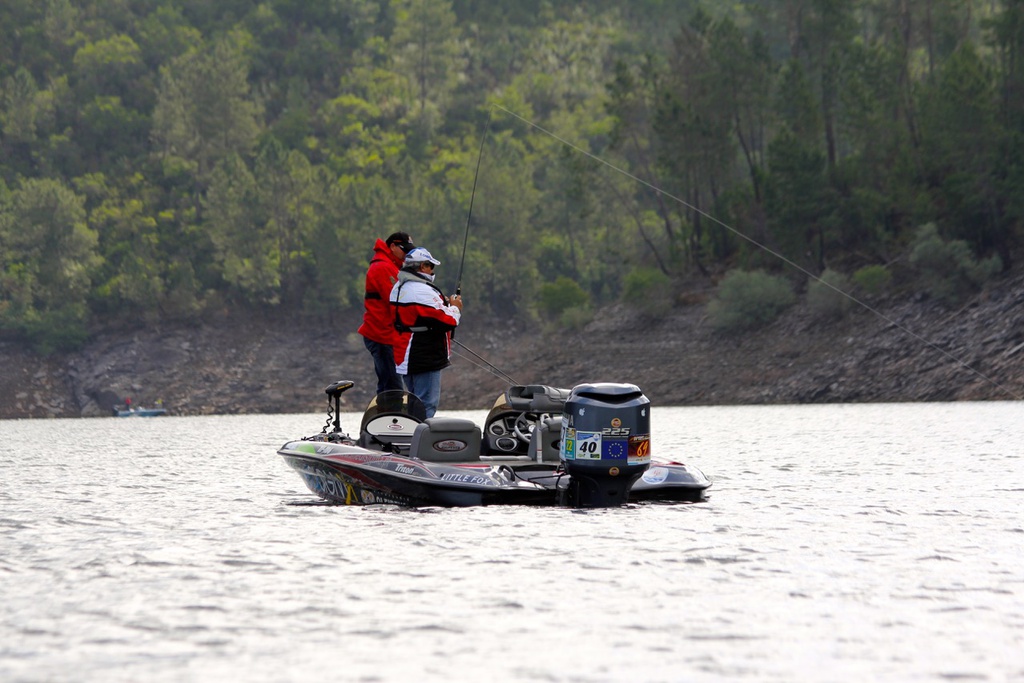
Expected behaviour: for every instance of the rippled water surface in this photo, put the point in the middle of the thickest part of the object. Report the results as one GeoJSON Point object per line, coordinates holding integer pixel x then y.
{"type": "Point", "coordinates": [841, 543]}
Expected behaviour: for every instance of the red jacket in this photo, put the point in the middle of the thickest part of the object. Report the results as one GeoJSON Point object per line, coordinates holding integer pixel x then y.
{"type": "Point", "coordinates": [378, 315]}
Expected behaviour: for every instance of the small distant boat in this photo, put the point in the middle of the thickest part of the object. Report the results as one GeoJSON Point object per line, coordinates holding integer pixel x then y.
{"type": "Point", "coordinates": [139, 412]}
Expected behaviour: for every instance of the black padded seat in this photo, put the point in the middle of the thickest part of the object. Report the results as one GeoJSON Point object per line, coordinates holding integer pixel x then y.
{"type": "Point", "coordinates": [446, 439]}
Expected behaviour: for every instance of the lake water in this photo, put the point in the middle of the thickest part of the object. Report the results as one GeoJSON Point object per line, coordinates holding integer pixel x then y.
{"type": "Point", "coordinates": [840, 543]}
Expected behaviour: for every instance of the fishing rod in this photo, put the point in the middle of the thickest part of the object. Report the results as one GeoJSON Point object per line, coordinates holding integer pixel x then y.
{"type": "Point", "coordinates": [761, 246]}
{"type": "Point", "coordinates": [472, 197]}
{"type": "Point", "coordinates": [490, 367]}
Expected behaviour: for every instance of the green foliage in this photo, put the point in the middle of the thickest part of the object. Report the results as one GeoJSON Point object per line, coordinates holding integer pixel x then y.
{"type": "Point", "coordinates": [747, 300]}
{"type": "Point", "coordinates": [163, 158]}
{"type": "Point", "coordinates": [575, 318]}
{"type": "Point", "coordinates": [108, 67]}
{"type": "Point", "coordinates": [828, 297]}
{"type": "Point", "coordinates": [872, 279]}
{"type": "Point", "coordinates": [795, 190]}
{"type": "Point", "coordinates": [425, 46]}
{"type": "Point", "coordinates": [796, 103]}
{"type": "Point", "coordinates": [555, 298]}
{"type": "Point", "coordinates": [45, 230]}
{"type": "Point", "coordinates": [205, 111]}
{"type": "Point", "coordinates": [963, 139]}
{"type": "Point", "coordinates": [60, 329]}
{"type": "Point", "coordinates": [947, 270]}
{"type": "Point", "coordinates": [649, 289]}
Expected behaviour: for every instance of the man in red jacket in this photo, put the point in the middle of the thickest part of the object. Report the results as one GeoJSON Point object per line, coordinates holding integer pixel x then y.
{"type": "Point", "coordinates": [378, 328]}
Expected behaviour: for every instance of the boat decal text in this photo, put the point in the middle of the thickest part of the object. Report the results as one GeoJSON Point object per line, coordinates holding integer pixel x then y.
{"type": "Point", "coordinates": [464, 478]}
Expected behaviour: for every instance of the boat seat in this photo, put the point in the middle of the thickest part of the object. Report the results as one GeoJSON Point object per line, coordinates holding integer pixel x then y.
{"type": "Point", "coordinates": [389, 432]}
{"type": "Point", "coordinates": [537, 398]}
{"type": "Point", "coordinates": [446, 439]}
{"type": "Point", "coordinates": [550, 434]}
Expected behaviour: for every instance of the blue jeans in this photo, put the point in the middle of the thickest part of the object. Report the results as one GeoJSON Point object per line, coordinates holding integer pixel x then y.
{"type": "Point", "coordinates": [384, 366]}
{"type": "Point", "coordinates": [426, 386]}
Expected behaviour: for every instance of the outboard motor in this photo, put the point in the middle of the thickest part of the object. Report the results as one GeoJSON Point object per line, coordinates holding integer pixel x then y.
{"type": "Point", "coordinates": [606, 443]}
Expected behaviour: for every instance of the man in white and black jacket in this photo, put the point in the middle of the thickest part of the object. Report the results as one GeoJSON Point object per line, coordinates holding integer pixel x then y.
{"type": "Point", "coordinates": [424, 318]}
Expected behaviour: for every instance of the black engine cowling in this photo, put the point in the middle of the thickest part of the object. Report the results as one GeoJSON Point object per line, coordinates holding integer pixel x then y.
{"type": "Point", "coordinates": [606, 443]}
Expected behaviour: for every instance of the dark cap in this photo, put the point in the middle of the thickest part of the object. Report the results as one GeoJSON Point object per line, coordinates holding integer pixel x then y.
{"type": "Point", "coordinates": [402, 239]}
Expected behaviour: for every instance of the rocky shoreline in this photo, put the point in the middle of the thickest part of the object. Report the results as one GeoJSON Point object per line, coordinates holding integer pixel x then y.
{"type": "Point", "coordinates": [903, 350]}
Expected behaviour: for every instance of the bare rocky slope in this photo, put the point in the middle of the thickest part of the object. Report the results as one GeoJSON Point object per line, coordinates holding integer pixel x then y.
{"type": "Point", "coordinates": [904, 350]}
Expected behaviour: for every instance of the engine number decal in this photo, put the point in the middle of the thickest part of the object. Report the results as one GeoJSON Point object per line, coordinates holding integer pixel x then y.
{"type": "Point", "coordinates": [639, 449]}
{"type": "Point", "coordinates": [567, 449]}
{"type": "Point", "coordinates": [588, 445]}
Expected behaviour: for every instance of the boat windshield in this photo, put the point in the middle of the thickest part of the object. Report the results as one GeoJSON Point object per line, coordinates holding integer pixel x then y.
{"type": "Point", "coordinates": [395, 402]}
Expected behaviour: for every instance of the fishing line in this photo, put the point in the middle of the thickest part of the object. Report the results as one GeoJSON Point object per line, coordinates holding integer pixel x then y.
{"type": "Point", "coordinates": [494, 371]}
{"type": "Point", "coordinates": [497, 372]}
{"type": "Point", "coordinates": [481, 366]}
{"type": "Point", "coordinates": [472, 197]}
{"type": "Point", "coordinates": [764, 247]}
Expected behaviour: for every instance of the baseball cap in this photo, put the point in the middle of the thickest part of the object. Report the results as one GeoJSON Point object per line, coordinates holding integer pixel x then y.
{"type": "Point", "coordinates": [420, 255]}
{"type": "Point", "coordinates": [402, 239]}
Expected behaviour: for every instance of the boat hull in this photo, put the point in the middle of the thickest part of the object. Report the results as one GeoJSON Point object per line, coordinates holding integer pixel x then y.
{"type": "Point", "coordinates": [350, 475]}
{"type": "Point", "coordinates": [347, 474]}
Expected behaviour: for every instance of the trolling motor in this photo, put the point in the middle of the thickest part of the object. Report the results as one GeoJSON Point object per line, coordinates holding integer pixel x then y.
{"type": "Point", "coordinates": [606, 443]}
{"type": "Point", "coordinates": [334, 392]}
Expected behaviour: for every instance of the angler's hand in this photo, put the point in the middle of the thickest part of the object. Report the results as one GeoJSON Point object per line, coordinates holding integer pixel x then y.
{"type": "Point", "coordinates": [456, 300]}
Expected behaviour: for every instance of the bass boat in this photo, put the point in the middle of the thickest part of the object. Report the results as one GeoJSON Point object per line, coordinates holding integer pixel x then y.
{"type": "Point", "coordinates": [589, 446]}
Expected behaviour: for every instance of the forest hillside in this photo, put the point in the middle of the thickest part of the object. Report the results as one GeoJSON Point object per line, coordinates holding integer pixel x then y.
{"type": "Point", "coordinates": [183, 169]}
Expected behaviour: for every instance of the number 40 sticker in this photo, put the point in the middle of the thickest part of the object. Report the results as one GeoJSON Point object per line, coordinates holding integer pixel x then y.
{"type": "Point", "coordinates": [588, 445]}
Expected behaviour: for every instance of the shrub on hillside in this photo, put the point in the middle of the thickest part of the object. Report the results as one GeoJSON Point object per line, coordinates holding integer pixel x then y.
{"type": "Point", "coordinates": [564, 305]}
{"type": "Point", "coordinates": [57, 330]}
{"type": "Point", "coordinates": [947, 270]}
{"type": "Point", "coordinates": [558, 296]}
{"type": "Point", "coordinates": [576, 318]}
{"type": "Point", "coordinates": [823, 298]}
{"type": "Point", "coordinates": [746, 300]}
{"type": "Point", "coordinates": [872, 279]}
{"type": "Point", "coordinates": [650, 289]}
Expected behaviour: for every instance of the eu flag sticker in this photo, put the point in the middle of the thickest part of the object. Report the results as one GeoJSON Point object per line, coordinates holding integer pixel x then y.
{"type": "Point", "coordinates": [614, 449]}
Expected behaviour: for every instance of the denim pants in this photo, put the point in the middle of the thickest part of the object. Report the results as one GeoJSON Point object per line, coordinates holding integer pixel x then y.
{"type": "Point", "coordinates": [384, 366]}
{"type": "Point", "coordinates": [426, 386]}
